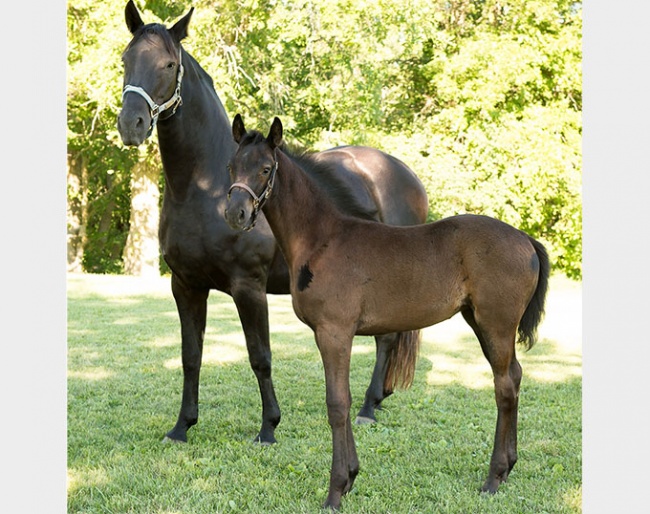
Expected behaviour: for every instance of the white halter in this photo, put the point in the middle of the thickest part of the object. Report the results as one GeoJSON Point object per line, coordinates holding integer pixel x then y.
{"type": "Point", "coordinates": [154, 108]}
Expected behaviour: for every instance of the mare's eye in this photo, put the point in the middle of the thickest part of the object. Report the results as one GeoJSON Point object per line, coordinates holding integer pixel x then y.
{"type": "Point", "coordinates": [266, 170]}
{"type": "Point", "coordinates": [171, 65]}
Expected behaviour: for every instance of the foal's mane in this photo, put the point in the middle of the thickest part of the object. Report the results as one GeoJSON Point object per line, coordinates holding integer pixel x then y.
{"type": "Point", "coordinates": [324, 177]}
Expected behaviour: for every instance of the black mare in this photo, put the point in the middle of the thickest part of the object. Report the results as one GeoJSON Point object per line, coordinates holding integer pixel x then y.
{"type": "Point", "coordinates": [165, 86]}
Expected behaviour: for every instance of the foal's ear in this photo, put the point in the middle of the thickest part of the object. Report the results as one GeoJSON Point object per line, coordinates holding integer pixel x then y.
{"type": "Point", "coordinates": [275, 134]}
{"type": "Point", "coordinates": [179, 30]}
{"type": "Point", "coordinates": [238, 129]}
{"type": "Point", "coordinates": [132, 16]}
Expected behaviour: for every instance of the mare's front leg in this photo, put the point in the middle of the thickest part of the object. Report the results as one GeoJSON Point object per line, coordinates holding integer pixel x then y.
{"type": "Point", "coordinates": [192, 310]}
{"type": "Point", "coordinates": [252, 306]}
{"type": "Point", "coordinates": [376, 393]}
{"type": "Point", "coordinates": [335, 347]}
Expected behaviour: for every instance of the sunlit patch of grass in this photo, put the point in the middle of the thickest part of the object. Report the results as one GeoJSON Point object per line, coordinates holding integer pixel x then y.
{"type": "Point", "coordinates": [475, 373]}
{"type": "Point", "coordinates": [231, 348]}
{"type": "Point", "coordinates": [429, 451]}
{"type": "Point", "coordinates": [93, 374]}
{"type": "Point", "coordinates": [86, 478]}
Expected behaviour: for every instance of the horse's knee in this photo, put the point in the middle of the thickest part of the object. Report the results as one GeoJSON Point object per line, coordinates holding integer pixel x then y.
{"type": "Point", "coordinates": [260, 362]}
{"type": "Point", "coordinates": [338, 411]}
{"type": "Point", "coordinates": [191, 362]}
{"type": "Point", "coordinates": [506, 392]}
{"type": "Point", "coordinates": [516, 372]}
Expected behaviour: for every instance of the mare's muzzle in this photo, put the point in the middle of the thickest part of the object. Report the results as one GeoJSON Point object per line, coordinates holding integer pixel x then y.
{"type": "Point", "coordinates": [131, 121]}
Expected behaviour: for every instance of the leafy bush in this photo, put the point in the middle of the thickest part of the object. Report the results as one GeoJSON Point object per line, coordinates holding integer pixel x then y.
{"type": "Point", "coordinates": [482, 98]}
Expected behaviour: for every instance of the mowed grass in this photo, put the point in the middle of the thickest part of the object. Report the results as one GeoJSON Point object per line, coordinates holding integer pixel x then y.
{"type": "Point", "coordinates": [428, 453]}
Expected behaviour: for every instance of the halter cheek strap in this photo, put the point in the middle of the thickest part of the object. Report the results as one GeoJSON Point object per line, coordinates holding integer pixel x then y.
{"type": "Point", "coordinates": [156, 110]}
{"type": "Point", "coordinates": [258, 201]}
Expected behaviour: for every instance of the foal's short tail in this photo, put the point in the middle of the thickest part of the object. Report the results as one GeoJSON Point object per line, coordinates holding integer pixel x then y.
{"type": "Point", "coordinates": [535, 310]}
{"type": "Point", "coordinates": [402, 358]}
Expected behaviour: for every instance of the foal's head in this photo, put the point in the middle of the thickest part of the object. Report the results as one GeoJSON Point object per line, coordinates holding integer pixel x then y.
{"type": "Point", "coordinates": [252, 171]}
{"type": "Point", "coordinates": [152, 75]}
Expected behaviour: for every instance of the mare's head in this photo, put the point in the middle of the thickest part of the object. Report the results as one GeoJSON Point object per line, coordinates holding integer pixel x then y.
{"type": "Point", "coordinates": [252, 171]}
{"type": "Point", "coordinates": [153, 72]}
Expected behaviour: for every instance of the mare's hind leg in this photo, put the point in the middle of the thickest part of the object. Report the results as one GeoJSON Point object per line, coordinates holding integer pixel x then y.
{"type": "Point", "coordinates": [376, 393]}
{"type": "Point", "coordinates": [252, 306]}
{"type": "Point", "coordinates": [498, 346]}
{"type": "Point", "coordinates": [192, 310]}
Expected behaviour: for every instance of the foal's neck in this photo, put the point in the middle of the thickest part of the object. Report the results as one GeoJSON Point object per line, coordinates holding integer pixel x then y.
{"type": "Point", "coordinates": [300, 214]}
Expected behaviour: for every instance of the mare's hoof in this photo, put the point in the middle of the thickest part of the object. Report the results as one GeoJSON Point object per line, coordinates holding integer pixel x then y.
{"type": "Point", "coordinates": [265, 441]}
{"type": "Point", "coordinates": [363, 420]}
{"type": "Point", "coordinates": [168, 439]}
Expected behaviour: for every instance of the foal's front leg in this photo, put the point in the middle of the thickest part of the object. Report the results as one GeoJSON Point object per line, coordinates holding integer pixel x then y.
{"type": "Point", "coordinates": [335, 348]}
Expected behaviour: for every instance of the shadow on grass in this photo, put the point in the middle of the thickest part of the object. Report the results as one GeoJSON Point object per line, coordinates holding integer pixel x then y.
{"type": "Point", "coordinates": [431, 446]}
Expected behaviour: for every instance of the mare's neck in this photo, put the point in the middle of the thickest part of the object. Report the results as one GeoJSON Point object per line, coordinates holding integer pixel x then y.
{"type": "Point", "coordinates": [300, 215]}
{"type": "Point", "coordinates": [196, 142]}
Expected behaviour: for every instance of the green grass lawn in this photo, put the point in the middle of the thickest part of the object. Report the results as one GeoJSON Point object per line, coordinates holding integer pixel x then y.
{"type": "Point", "coordinates": [428, 453]}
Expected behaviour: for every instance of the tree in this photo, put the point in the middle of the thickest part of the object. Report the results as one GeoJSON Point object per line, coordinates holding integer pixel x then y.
{"type": "Point", "coordinates": [96, 35]}
{"type": "Point", "coordinates": [141, 255]}
{"type": "Point", "coordinates": [482, 98]}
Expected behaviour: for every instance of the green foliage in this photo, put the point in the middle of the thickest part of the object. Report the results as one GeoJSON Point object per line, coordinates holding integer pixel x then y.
{"type": "Point", "coordinates": [482, 98]}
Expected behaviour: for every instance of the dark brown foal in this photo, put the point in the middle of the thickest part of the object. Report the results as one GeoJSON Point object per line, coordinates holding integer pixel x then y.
{"type": "Point", "coordinates": [353, 277]}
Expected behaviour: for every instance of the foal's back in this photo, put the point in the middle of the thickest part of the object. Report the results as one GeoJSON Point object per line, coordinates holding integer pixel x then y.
{"type": "Point", "coordinates": [404, 278]}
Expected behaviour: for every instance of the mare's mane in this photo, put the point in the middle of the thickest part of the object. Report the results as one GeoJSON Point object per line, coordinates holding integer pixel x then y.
{"type": "Point", "coordinates": [323, 175]}
{"type": "Point", "coordinates": [157, 29]}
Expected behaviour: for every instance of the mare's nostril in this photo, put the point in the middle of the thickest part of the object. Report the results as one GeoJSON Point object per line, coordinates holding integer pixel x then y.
{"type": "Point", "coordinates": [241, 215]}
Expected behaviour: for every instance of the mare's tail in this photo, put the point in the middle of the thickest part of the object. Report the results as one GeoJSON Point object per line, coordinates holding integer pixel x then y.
{"type": "Point", "coordinates": [535, 310]}
{"type": "Point", "coordinates": [400, 368]}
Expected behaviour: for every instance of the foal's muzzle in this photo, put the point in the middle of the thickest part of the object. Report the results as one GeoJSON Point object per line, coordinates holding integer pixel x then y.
{"type": "Point", "coordinates": [241, 210]}
{"type": "Point", "coordinates": [236, 219]}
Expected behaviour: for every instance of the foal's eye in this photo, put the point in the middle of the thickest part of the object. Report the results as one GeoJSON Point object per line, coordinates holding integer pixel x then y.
{"type": "Point", "coordinates": [266, 170]}
{"type": "Point", "coordinates": [171, 65]}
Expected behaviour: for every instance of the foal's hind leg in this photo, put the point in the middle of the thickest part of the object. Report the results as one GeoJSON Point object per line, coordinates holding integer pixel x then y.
{"type": "Point", "coordinates": [498, 347]}
{"type": "Point", "coordinates": [376, 393]}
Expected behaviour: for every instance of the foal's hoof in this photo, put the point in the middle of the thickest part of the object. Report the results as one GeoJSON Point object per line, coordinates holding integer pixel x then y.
{"type": "Point", "coordinates": [491, 486]}
{"type": "Point", "coordinates": [363, 420]}
{"type": "Point", "coordinates": [331, 505]}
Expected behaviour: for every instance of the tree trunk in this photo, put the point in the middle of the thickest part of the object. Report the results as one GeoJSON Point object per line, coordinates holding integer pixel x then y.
{"type": "Point", "coordinates": [142, 252]}
{"type": "Point", "coordinates": [77, 208]}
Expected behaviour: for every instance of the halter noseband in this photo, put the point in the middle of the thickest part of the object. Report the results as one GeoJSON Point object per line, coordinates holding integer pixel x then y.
{"type": "Point", "coordinates": [258, 201]}
{"type": "Point", "coordinates": [156, 110]}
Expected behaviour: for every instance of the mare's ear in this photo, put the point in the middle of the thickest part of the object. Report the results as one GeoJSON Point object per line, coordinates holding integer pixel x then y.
{"type": "Point", "coordinates": [275, 134]}
{"type": "Point", "coordinates": [132, 16]}
{"type": "Point", "coordinates": [179, 30]}
{"type": "Point", "coordinates": [238, 129]}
